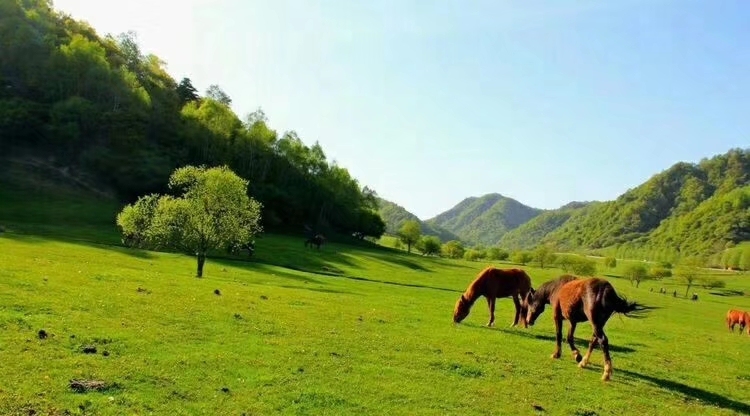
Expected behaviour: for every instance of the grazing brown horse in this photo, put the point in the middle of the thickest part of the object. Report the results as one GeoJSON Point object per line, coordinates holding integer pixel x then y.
{"type": "Point", "coordinates": [580, 300]}
{"type": "Point", "coordinates": [741, 318]}
{"type": "Point", "coordinates": [494, 283]}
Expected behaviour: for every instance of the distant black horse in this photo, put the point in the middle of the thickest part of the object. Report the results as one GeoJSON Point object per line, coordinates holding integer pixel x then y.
{"type": "Point", "coordinates": [237, 248]}
{"type": "Point", "coordinates": [317, 241]}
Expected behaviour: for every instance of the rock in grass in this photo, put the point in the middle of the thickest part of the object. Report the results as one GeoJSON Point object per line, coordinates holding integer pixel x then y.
{"type": "Point", "coordinates": [225, 389]}
{"type": "Point", "coordinates": [42, 334]}
{"type": "Point", "coordinates": [82, 386]}
{"type": "Point", "coordinates": [89, 349]}
{"type": "Point", "coordinates": [217, 292]}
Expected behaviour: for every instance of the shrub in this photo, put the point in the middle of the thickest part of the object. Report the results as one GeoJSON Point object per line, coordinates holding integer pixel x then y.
{"type": "Point", "coordinates": [610, 262]}
{"type": "Point", "coordinates": [453, 249]}
{"type": "Point", "coordinates": [521, 257]}
{"type": "Point", "coordinates": [496, 253]}
{"type": "Point", "coordinates": [429, 245]}
{"type": "Point", "coordinates": [660, 272]}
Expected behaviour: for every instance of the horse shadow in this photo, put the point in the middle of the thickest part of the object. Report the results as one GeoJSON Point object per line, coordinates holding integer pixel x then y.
{"type": "Point", "coordinates": [550, 338]}
{"type": "Point", "coordinates": [704, 396]}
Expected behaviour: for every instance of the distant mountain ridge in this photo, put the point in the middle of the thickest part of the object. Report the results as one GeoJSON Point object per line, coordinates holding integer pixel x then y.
{"type": "Point", "coordinates": [395, 216]}
{"type": "Point", "coordinates": [688, 209]}
{"type": "Point", "coordinates": [685, 210]}
{"type": "Point", "coordinates": [485, 219]}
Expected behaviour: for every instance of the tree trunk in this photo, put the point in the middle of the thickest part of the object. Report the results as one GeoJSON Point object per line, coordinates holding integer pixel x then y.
{"type": "Point", "coordinates": [637, 283]}
{"type": "Point", "coordinates": [408, 248]}
{"type": "Point", "coordinates": [688, 289]}
{"type": "Point", "coordinates": [201, 261]}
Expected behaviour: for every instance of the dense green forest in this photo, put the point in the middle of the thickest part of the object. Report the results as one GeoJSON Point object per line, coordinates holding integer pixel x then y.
{"type": "Point", "coordinates": [107, 114]}
{"type": "Point", "coordinates": [532, 232]}
{"type": "Point", "coordinates": [395, 216]}
{"type": "Point", "coordinates": [484, 220]}
{"type": "Point", "coordinates": [687, 210]}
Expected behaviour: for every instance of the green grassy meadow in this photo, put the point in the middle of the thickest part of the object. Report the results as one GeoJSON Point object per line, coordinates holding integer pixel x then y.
{"type": "Point", "coordinates": [344, 330]}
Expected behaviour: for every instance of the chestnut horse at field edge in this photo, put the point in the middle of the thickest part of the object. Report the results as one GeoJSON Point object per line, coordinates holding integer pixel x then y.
{"type": "Point", "coordinates": [581, 300]}
{"type": "Point", "coordinates": [493, 283]}
{"type": "Point", "coordinates": [741, 318]}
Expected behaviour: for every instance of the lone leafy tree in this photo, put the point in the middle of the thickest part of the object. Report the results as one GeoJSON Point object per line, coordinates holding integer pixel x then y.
{"type": "Point", "coordinates": [636, 273]}
{"type": "Point", "coordinates": [212, 211]}
{"type": "Point", "coordinates": [410, 233]}
{"type": "Point", "coordinates": [542, 255]}
{"type": "Point", "coordinates": [429, 245]}
{"type": "Point", "coordinates": [688, 275]}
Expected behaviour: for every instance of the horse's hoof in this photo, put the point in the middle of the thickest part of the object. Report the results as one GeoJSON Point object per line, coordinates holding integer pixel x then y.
{"type": "Point", "coordinates": [606, 377]}
{"type": "Point", "coordinates": [577, 356]}
{"type": "Point", "coordinates": [555, 356]}
{"type": "Point", "coordinates": [583, 364]}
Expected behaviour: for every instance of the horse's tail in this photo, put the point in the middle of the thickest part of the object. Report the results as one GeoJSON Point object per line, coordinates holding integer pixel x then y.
{"type": "Point", "coordinates": [630, 309]}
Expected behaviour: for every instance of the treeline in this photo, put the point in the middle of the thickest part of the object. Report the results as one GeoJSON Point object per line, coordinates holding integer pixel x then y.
{"type": "Point", "coordinates": [688, 210]}
{"type": "Point", "coordinates": [100, 106]}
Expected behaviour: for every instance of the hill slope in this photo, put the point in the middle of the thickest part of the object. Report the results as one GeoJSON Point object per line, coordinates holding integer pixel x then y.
{"type": "Point", "coordinates": [531, 233]}
{"type": "Point", "coordinates": [689, 207]}
{"type": "Point", "coordinates": [395, 216]}
{"type": "Point", "coordinates": [485, 219]}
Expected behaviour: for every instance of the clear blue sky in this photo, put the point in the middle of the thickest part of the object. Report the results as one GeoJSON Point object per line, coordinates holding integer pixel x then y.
{"type": "Point", "coordinates": [431, 102]}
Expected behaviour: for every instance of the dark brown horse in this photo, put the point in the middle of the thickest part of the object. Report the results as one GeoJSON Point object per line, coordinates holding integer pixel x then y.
{"type": "Point", "coordinates": [580, 300]}
{"type": "Point", "coordinates": [317, 241]}
{"type": "Point", "coordinates": [494, 283]}
{"type": "Point", "coordinates": [741, 318]}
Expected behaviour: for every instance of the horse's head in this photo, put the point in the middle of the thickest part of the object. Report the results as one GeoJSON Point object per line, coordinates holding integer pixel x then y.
{"type": "Point", "coordinates": [461, 311]}
{"type": "Point", "coordinates": [534, 306]}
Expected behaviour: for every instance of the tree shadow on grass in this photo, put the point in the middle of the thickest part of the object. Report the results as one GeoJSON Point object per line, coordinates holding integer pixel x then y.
{"type": "Point", "coordinates": [728, 293]}
{"type": "Point", "coordinates": [704, 396]}
{"type": "Point", "coordinates": [41, 239]}
{"type": "Point", "coordinates": [396, 259]}
{"type": "Point", "coordinates": [412, 285]}
{"type": "Point", "coordinates": [268, 269]}
{"type": "Point", "coordinates": [319, 289]}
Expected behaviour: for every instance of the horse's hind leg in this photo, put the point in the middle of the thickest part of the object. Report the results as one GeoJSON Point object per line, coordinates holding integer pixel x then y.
{"type": "Point", "coordinates": [517, 304]}
{"type": "Point", "coordinates": [607, 375]}
{"type": "Point", "coordinates": [572, 343]}
{"type": "Point", "coordinates": [585, 361]}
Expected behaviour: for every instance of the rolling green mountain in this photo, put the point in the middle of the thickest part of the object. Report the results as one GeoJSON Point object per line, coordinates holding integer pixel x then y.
{"type": "Point", "coordinates": [485, 219]}
{"type": "Point", "coordinates": [725, 216]}
{"type": "Point", "coordinates": [688, 209]}
{"type": "Point", "coordinates": [395, 216]}
{"type": "Point", "coordinates": [531, 233]}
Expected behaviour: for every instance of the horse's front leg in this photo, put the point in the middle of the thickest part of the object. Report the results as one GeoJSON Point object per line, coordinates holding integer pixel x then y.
{"type": "Point", "coordinates": [491, 305]}
{"type": "Point", "coordinates": [519, 315]}
{"type": "Point", "coordinates": [558, 334]}
{"type": "Point", "coordinates": [571, 342]}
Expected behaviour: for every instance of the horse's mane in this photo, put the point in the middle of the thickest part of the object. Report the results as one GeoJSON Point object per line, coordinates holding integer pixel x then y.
{"type": "Point", "coordinates": [545, 291]}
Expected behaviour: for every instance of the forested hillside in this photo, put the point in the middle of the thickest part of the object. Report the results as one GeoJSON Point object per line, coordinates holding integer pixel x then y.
{"type": "Point", "coordinates": [674, 195]}
{"type": "Point", "coordinates": [98, 107]}
{"type": "Point", "coordinates": [532, 233]}
{"type": "Point", "coordinates": [395, 216]}
{"type": "Point", "coordinates": [484, 219]}
{"type": "Point", "coordinates": [686, 210]}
